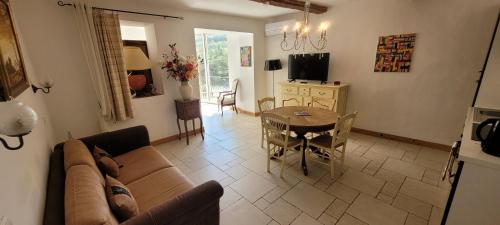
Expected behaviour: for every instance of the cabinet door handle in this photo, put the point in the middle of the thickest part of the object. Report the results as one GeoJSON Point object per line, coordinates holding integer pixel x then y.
{"type": "Point", "coordinates": [322, 93]}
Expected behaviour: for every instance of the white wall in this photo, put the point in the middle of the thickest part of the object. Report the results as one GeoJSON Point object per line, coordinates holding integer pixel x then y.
{"type": "Point", "coordinates": [489, 93]}
{"type": "Point", "coordinates": [54, 46]}
{"type": "Point", "coordinates": [24, 171]}
{"type": "Point", "coordinates": [428, 103]}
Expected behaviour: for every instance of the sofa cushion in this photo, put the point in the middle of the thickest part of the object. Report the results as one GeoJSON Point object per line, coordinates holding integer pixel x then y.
{"type": "Point", "coordinates": [159, 187]}
{"type": "Point", "coordinates": [106, 163]}
{"type": "Point", "coordinates": [120, 200]}
{"type": "Point", "coordinates": [84, 198]}
{"type": "Point", "coordinates": [76, 153]}
{"type": "Point", "coordinates": [139, 163]}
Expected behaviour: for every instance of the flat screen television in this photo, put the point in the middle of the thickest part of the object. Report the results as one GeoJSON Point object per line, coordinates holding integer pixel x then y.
{"type": "Point", "coordinates": [308, 66]}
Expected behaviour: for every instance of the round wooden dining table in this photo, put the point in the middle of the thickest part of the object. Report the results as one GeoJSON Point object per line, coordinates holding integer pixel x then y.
{"type": "Point", "coordinates": [318, 120]}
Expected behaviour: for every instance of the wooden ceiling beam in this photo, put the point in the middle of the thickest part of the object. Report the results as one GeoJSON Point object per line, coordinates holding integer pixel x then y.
{"type": "Point", "coordinates": [295, 4]}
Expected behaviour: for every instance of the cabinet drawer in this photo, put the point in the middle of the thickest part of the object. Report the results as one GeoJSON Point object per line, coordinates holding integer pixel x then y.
{"type": "Point", "coordinates": [322, 92]}
{"type": "Point", "coordinates": [304, 91]}
{"type": "Point", "coordinates": [290, 90]}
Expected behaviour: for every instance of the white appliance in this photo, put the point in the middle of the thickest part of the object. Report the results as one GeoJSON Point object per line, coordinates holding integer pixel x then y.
{"type": "Point", "coordinates": [273, 29]}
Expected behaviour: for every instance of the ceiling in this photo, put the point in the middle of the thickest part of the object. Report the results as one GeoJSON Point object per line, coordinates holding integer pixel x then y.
{"type": "Point", "coordinates": [236, 7]}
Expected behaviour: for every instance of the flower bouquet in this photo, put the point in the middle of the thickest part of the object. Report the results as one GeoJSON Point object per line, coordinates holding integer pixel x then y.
{"type": "Point", "coordinates": [181, 69]}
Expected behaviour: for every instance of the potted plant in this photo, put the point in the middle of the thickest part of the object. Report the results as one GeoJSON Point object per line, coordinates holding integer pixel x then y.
{"type": "Point", "coordinates": [181, 69]}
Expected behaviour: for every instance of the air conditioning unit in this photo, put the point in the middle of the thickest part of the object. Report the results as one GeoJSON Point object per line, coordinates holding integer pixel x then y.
{"type": "Point", "coordinates": [273, 29]}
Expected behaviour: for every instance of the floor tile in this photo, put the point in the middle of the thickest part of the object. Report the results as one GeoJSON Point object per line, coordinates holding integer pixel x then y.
{"type": "Point", "coordinates": [305, 219]}
{"type": "Point", "coordinates": [362, 182]}
{"type": "Point", "coordinates": [385, 198]}
{"type": "Point", "coordinates": [436, 216]}
{"type": "Point", "coordinates": [343, 192]}
{"type": "Point", "coordinates": [372, 167]}
{"type": "Point", "coordinates": [243, 213]}
{"type": "Point", "coordinates": [415, 220]}
{"type": "Point", "coordinates": [275, 194]}
{"type": "Point", "coordinates": [425, 192]}
{"type": "Point", "coordinates": [259, 164]}
{"type": "Point", "coordinates": [413, 206]}
{"type": "Point", "coordinates": [283, 212]}
{"type": "Point", "coordinates": [433, 154]}
{"type": "Point", "coordinates": [376, 212]}
{"type": "Point", "coordinates": [273, 223]}
{"type": "Point", "coordinates": [308, 199]}
{"type": "Point", "coordinates": [262, 204]}
{"type": "Point", "coordinates": [388, 150]}
{"type": "Point", "coordinates": [350, 220]}
{"type": "Point", "coordinates": [337, 208]}
{"type": "Point", "coordinates": [208, 173]}
{"type": "Point", "coordinates": [229, 197]}
{"type": "Point", "coordinates": [237, 171]}
{"type": "Point", "coordinates": [327, 220]}
{"type": "Point", "coordinates": [405, 168]}
{"type": "Point", "coordinates": [252, 187]}
{"type": "Point", "coordinates": [356, 162]}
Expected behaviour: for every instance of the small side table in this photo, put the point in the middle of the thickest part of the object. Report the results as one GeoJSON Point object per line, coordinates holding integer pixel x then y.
{"type": "Point", "coordinates": [188, 110]}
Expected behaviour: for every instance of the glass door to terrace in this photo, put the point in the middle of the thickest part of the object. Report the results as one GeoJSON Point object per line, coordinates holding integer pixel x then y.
{"type": "Point", "coordinates": [211, 50]}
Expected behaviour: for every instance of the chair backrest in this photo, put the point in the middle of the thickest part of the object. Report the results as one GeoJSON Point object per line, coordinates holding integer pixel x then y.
{"type": "Point", "coordinates": [274, 126]}
{"type": "Point", "coordinates": [266, 104]}
{"type": "Point", "coordinates": [234, 87]}
{"type": "Point", "coordinates": [343, 128]}
{"type": "Point", "coordinates": [292, 102]}
{"type": "Point", "coordinates": [324, 104]}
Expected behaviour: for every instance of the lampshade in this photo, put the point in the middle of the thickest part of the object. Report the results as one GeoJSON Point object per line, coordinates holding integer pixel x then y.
{"type": "Point", "coordinates": [272, 64]}
{"type": "Point", "coordinates": [135, 59]}
{"type": "Point", "coordinates": [16, 118]}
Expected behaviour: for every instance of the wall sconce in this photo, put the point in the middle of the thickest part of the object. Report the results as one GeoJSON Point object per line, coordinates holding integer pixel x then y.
{"type": "Point", "coordinates": [45, 86]}
{"type": "Point", "coordinates": [16, 120]}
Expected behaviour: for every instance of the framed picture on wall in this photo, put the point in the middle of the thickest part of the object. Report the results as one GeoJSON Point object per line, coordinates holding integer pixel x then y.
{"type": "Point", "coordinates": [13, 80]}
{"type": "Point", "coordinates": [246, 56]}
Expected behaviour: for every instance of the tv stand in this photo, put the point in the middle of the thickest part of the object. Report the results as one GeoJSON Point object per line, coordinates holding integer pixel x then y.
{"type": "Point", "coordinates": [324, 93]}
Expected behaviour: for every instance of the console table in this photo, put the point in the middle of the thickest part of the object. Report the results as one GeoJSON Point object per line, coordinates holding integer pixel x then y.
{"type": "Point", "coordinates": [323, 92]}
{"type": "Point", "coordinates": [188, 110]}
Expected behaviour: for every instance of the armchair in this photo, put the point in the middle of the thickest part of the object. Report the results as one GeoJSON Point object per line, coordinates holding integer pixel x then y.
{"type": "Point", "coordinates": [228, 98]}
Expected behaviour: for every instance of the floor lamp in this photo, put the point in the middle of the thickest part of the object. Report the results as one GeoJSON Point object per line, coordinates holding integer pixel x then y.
{"type": "Point", "coordinates": [272, 65]}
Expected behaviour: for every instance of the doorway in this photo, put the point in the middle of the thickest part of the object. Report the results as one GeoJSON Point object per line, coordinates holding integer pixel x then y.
{"type": "Point", "coordinates": [212, 53]}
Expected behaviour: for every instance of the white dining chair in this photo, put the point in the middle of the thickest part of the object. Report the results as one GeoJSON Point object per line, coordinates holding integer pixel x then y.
{"type": "Point", "coordinates": [265, 105]}
{"type": "Point", "coordinates": [330, 145]}
{"type": "Point", "coordinates": [278, 139]}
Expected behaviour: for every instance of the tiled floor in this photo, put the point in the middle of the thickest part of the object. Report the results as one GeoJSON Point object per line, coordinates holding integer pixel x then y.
{"type": "Point", "coordinates": [385, 182]}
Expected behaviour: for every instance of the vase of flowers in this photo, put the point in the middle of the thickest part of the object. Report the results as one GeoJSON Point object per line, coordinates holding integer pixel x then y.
{"type": "Point", "coordinates": [181, 69]}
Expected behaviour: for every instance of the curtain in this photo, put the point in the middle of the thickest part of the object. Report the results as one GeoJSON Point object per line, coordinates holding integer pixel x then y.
{"type": "Point", "coordinates": [102, 45]}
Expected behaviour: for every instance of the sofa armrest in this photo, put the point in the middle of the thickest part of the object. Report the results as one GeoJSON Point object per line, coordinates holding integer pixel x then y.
{"type": "Point", "coordinates": [120, 141]}
{"type": "Point", "coordinates": [196, 206]}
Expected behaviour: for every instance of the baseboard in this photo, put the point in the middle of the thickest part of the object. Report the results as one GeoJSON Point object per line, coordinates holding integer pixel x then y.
{"type": "Point", "coordinates": [174, 137]}
{"type": "Point", "coordinates": [403, 139]}
{"type": "Point", "coordinates": [248, 112]}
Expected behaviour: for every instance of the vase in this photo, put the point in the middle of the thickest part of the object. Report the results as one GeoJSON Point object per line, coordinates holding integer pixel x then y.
{"type": "Point", "coordinates": [186, 90]}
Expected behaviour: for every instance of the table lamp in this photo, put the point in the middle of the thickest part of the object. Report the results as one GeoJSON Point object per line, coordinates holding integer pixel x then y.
{"type": "Point", "coordinates": [135, 59]}
{"type": "Point", "coordinates": [272, 65]}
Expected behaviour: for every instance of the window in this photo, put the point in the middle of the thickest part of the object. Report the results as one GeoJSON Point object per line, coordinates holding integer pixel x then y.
{"type": "Point", "coordinates": [141, 81]}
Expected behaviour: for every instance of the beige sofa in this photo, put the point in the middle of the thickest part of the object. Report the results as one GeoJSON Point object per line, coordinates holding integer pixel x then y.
{"type": "Point", "coordinates": [163, 194]}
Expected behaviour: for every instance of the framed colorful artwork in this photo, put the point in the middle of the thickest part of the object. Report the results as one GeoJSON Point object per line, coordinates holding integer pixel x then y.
{"type": "Point", "coordinates": [246, 56]}
{"type": "Point", "coordinates": [394, 53]}
{"type": "Point", "coordinates": [13, 80]}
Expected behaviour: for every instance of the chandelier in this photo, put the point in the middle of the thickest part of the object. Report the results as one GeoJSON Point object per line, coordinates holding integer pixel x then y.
{"type": "Point", "coordinates": [302, 30]}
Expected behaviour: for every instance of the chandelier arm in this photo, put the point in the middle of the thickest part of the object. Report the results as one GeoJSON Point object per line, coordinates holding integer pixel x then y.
{"type": "Point", "coordinates": [317, 47]}
{"type": "Point", "coordinates": [284, 45]}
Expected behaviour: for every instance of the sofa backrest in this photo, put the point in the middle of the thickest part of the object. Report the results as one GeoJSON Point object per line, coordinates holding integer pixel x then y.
{"type": "Point", "coordinates": [85, 199]}
{"type": "Point", "coordinates": [76, 153]}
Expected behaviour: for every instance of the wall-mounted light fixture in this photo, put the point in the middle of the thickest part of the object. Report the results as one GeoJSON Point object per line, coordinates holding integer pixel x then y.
{"type": "Point", "coordinates": [16, 120]}
{"type": "Point", "coordinates": [45, 86]}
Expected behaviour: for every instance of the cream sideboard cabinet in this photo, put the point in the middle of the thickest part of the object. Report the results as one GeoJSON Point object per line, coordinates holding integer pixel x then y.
{"type": "Point", "coordinates": [325, 93]}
